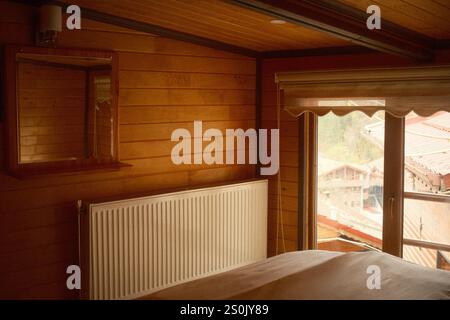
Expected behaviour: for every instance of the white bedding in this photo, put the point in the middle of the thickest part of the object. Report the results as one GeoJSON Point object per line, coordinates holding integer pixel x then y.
{"type": "Point", "coordinates": [317, 275]}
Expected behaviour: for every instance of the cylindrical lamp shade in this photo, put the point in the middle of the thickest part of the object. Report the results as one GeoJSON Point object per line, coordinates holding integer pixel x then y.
{"type": "Point", "coordinates": [50, 18]}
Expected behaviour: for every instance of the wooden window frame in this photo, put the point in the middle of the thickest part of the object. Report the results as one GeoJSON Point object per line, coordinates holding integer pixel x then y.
{"type": "Point", "coordinates": [307, 179]}
{"type": "Point", "coordinates": [393, 185]}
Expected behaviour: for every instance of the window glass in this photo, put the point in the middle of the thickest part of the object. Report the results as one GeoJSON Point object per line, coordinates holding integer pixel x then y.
{"type": "Point", "coordinates": [427, 170]}
{"type": "Point", "coordinates": [427, 257]}
{"type": "Point", "coordinates": [427, 153]}
{"type": "Point", "coordinates": [350, 181]}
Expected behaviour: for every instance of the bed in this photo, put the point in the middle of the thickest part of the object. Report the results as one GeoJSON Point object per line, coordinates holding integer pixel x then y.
{"type": "Point", "coordinates": [317, 275]}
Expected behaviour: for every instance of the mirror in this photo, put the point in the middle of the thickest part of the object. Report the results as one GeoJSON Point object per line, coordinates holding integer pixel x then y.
{"type": "Point", "coordinates": [65, 107]}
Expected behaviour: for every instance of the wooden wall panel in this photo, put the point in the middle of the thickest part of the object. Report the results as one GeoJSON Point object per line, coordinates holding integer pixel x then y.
{"type": "Point", "coordinates": [15, 26]}
{"type": "Point", "coordinates": [164, 85]}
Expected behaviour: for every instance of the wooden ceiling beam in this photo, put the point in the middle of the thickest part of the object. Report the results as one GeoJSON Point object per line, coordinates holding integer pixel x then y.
{"type": "Point", "coordinates": [314, 52]}
{"type": "Point", "coordinates": [347, 23]}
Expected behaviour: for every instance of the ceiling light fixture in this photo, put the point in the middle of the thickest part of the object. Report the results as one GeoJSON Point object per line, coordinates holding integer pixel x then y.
{"type": "Point", "coordinates": [277, 21]}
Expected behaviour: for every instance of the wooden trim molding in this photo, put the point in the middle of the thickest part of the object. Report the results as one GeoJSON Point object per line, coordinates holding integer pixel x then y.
{"type": "Point", "coordinates": [312, 180]}
{"type": "Point", "coordinates": [302, 229]}
{"type": "Point", "coordinates": [258, 106]}
{"type": "Point", "coordinates": [356, 75]}
{"type": "Point", "coordinates": [442, 44]}
{"type": "Point", "coordinates": [315, 52]}
{"type": "Point", "coordinates": [11, 122]}
{"type": "Point", "coordinates": [307, 182]}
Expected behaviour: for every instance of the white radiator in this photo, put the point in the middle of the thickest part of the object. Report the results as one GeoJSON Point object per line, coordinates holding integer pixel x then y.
{"type": "Point", "coordinates": [138, 246]}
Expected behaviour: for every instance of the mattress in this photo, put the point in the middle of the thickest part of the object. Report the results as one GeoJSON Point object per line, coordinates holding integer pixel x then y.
{"type": "Point", "coordinates": [316, 275]}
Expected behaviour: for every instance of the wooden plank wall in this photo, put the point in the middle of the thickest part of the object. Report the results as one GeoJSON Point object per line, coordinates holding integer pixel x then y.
{"type": "Point", "coordinates": [164, 85]}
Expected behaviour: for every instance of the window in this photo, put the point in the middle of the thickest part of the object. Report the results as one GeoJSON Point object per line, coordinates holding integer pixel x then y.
{"type": "Point", "coordinates": [426, 220]}
{"type": "Point", "coordinates": [350, 206]}
{"type": "Point", "coordinates": [350, 217]}
{"type": "Point", "coordinates": [374, 160]}
{"type": "Point", "coordinates": [426, 207]}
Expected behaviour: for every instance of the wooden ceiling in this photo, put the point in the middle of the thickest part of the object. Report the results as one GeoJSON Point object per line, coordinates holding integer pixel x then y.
{"type": "Point", "coordinates": [429, 17]}
{"type": "Point", "coordinates": [218, 20]}
{"type": "Point", "coordinates": [410, 28]}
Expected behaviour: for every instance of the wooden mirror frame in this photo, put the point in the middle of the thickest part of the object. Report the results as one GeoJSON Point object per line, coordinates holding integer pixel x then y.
{"type": "Point", "coordinates": [11, 117]}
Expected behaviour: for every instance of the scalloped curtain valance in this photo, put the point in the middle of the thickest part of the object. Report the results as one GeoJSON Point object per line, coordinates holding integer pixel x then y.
{"type": "Point", "coordinates": [398, 91]}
